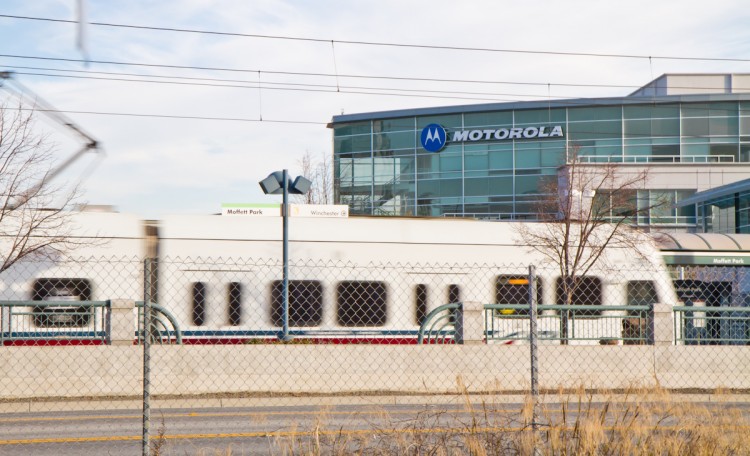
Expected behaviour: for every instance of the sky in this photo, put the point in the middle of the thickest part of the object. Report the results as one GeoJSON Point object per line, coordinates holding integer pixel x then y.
{"type": "Point", "coordinates": [188, 120]}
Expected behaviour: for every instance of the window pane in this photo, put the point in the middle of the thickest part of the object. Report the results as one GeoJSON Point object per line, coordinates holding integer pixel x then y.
{"type": "Point", "coordinates": [650, 111]}
{"type": "Point", "coordinates": [595, 113]}
{"type": "Point", "coordinates": [388, 141]}
{"type": "Point", "coordinates": [539, 117]}
{"type": "Point", "coordinates": [421, 303]}
{"type": "Point", "coordinates": [361, 303]}
{"type": "Point", "coordinates": [199, 303]}
{"type": "Point", "coordinates": [359, 128]}
{"type": "Point", "coordinates": [69, 290]}
{"type": "Point", "coordinates": [305, 303]}
{"type": "Point", "coordinates": [595, 130]}
{"type": "Point", "coordinates": [514, 289]}
{"type": "Point", "coordinates": [582, 291]}
{"type": "Point", "coordinates": [485, 119]}
{"type": "Point", "coordinates": [388, 125]}
{"type": "Point", "coordinates": [235, 303]}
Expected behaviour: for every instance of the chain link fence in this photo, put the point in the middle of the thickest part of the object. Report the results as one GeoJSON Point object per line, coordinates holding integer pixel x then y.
{"type": "Point", "coordinates": [144, 336]}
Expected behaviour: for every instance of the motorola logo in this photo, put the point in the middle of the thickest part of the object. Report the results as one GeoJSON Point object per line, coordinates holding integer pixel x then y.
{"type": "Point", "coordinates": [433, 138]}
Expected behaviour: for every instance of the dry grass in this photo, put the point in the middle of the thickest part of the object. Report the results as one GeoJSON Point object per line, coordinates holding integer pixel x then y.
{"type": "Point", "coordinates": [641, 422]}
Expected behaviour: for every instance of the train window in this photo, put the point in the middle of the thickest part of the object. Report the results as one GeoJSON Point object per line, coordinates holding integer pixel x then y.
{"type": "Point", "coordinates": [421, 298]}
{"type": "Point", "coordinates": [587, 291]}
{"type": "Point", "coordinates": [361, 303]}
{"type": "Point", "coordinates": [235, 303]}
{"type": "Point", "coordinates": [199, 303]}
{"type": "Point", "coordinates": [65, 290]}
{"type": "Point", "coordinates": [305, 303]}
{"type": "Point", "coordinates": [514, 289]}
{"type": "Point", "coordinates": [454, 294]}
{"type": "Point", "coordinates": [641, 293]}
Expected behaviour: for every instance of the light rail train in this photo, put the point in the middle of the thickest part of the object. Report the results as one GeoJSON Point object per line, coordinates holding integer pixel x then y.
{"type": "Point", "coordinates": [352, 280]}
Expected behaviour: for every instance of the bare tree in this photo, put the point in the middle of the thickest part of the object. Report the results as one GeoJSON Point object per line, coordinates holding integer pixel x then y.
{"type": "Point", "coordinates": [588, 211]}
{"type": "Point", "coordinates": [34, 221]}
{"type": "Point", "coordinates": [320, 173]}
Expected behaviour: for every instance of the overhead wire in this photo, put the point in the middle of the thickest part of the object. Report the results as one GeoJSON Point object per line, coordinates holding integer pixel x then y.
{"type": "Point", "coordinates": [296, 86]}
{"type": "Point", "coordinates": [380, 43]}
{"type": "Point", "coordinates": [315, 74]}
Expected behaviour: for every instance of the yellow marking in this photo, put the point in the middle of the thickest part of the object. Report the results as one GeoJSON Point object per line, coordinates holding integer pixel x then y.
{"type": "Point", "coordinates": [255, 414]}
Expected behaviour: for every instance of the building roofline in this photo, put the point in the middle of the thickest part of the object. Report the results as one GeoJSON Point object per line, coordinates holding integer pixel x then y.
{"type": "Point", "coordinates": [716, 192]}
{"type": "Point", "coordinates": [537, 104]}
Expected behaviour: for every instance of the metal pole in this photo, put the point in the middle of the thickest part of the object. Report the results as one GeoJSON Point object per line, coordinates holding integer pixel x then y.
{"type": "Point", "coordinates": [533, 343]}
{"type": "Point", "coordinates": [285, 279]}
{"type": "Point", "coordinates": [146, 334]}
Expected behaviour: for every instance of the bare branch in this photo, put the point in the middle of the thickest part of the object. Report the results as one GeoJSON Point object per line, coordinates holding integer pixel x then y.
{"type": "Point", "coordinates": [320, 173]}
{"type": "Point", "coordinates": [33, 215]}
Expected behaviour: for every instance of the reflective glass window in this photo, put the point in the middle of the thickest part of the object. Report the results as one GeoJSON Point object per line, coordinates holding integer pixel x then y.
{"type": "Point", "coordinates": [500, 185]}
{"type": "Point", "coordinates": [388, 125]}
{"type": "Point", "coordinates": [595, 130]}
{"type": "Point", "coordinates": [539, 117]}
{"type": "Point", "coordinates": [359, 128]}
{"type": "Point", "coordinates": [447, 121]}
{"type": "Point", "coordinates": [594, 113]}
{"type": "Point", "coordinates": [400, 140]}
{"type": "Point", "coordinates": [651, 111]}
{"type": "Point", "coordinates": [484, 119]}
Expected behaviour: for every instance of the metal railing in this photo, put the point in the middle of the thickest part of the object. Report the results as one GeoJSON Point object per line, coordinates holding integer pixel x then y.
{"type": "Point", "coordinates": [54, 321]}
{"type": "Point", "coordinates": [607, 325]}
{"type": "Point", "coordinates": [656, 158]}
{"type": "Point", "coordinates": [164, 328]}
{"type": "Point", "coordinates": [439, 326]}
{"type": "Point", "coordinates": [510, 324]}
{"type": "Point", "coordinates": [700, 325]}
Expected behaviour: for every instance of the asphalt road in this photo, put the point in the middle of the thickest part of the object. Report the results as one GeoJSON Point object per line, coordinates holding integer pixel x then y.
{"type": "Point", "coordinates": [297, 429]}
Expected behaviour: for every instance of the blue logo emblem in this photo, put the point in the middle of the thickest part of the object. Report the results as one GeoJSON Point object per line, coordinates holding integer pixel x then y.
{"type": "Point", "coordinates": [433, 138]}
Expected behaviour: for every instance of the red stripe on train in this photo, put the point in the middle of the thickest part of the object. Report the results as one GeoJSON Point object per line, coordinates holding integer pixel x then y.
{"type": "Point", "coordinates": [237, 341]}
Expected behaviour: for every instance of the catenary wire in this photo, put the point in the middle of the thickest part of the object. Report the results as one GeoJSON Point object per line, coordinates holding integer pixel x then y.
{"type": "Point", "coordinates": [312, 74]}
{"type": "Point", "coordinates": [385, 44]}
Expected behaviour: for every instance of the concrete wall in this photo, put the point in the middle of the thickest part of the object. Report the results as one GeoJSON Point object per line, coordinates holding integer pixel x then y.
{"type": "Point", "coordinates": [115, 371]}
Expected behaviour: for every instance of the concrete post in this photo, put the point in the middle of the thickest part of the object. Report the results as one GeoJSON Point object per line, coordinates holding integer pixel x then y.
{"type": "Point", "coordinates": [470, 323]}
{"type": "Point", "coordinates": [122, 330]}
{"type": "Point", "coordinates": [662, 325]}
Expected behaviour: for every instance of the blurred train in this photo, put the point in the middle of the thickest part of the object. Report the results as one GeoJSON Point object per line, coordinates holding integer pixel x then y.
{"type": "Point", "coordinates": [352, 280]}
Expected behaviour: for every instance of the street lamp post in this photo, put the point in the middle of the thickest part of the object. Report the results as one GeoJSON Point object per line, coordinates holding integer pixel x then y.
{"type": "Point", "coordinates": [276, 183]}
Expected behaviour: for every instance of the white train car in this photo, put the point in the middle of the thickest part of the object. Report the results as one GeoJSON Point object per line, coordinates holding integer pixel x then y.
{"type": "Point", "coordinates": [106, 263]}
{"type": "Point", "coordinates": [357, 279]}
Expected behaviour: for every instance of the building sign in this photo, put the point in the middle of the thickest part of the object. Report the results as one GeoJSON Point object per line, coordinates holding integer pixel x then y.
{"type": "Point", "coordinates": [253, 210]}
{"type": "Point", "coordinates": [319, 210]}
{"type": "Point", "coordinates": [712, 260]}
{"type": "Point", "coordinates": [434, 137]}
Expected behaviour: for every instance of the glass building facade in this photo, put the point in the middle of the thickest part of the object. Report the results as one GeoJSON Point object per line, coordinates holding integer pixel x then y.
{"type": "Point", "coordinates": [382, 168]}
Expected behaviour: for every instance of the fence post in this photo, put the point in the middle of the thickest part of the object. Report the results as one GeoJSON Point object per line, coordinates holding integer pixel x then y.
{"type": "Point", "coordinates": [533, 340]}
{"type": "Point", "coordinates": [121, 321]}
{"type": "Point", "coordinates": [470, 323]}
{"type": "Point", "coordinates": [148, 270]}
{"type": "Point", "coordinates": [661, 326]}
